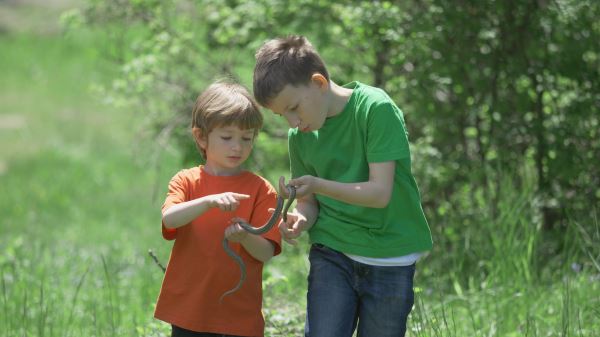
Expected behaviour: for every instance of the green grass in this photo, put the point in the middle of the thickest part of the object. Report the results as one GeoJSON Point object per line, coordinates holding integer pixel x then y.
{"type": "Point", "coordinates": [80, 208]}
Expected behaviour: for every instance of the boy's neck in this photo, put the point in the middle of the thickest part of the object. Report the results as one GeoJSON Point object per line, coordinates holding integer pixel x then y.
{"type": "Point", "coordinates": [222, 172]}
{"type": "Point", "coordinates": [339, 97]}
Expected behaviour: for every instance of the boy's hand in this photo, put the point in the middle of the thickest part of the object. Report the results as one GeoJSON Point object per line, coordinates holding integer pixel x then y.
{"type": "Point", "coordinates": [293, 228]}
{"type": "Point", "coordinates": [228, 201]}
{"type": "Point", "coordinates": [235, 233]}
{"type": "Point", "coordinates": [304, 185]}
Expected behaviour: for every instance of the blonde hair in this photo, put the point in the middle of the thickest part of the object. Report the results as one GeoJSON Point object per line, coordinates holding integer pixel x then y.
{"type": "Point", "coordinates": [223, 104]}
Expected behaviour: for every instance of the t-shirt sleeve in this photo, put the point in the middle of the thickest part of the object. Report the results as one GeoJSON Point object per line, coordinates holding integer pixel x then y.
{"type": "Point", "coordinates": [297, 166]}
{"type": "Point", "coordinates": [260, 215]}
{"type": "Point", "coordinates": [175, 195]}
{"type": "Point", "coordinates": [387, 138]}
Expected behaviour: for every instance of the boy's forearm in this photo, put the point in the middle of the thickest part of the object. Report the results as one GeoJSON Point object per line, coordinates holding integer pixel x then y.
{"type": "Point", "coordinates": [183, 213]}
{"type": "Point", "coordinates": [367, 194]}
{"type": "Point", "coordinates": [374, 193]}
{"type": "Point", "coordinates": [309, 208]}
{"type": "Point", "coordinates": [259, 247]}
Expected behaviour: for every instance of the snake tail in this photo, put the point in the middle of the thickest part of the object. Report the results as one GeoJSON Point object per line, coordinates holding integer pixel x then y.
{"type": "Point", "coordinates": [257, 231]}
{"type": "Point", "coordinates": [240, 263]}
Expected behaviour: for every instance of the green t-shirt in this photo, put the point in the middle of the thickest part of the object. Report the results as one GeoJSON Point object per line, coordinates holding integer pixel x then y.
{"type": "Point", "coordinates": [370, 129]}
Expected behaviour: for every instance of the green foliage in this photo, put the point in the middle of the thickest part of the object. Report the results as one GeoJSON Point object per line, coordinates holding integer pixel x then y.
{"type": "Point", "coordinates": [489, 86]}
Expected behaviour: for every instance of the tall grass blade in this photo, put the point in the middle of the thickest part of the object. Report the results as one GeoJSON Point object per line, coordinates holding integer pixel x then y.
{"type": "Point", "coordinates": [74, 301]}
{"type": "Point", "coordinates": [42, 313]}
{"type": "Point", "coordinates": [565, 307]}
{"type": "Point", "coordinates": [110, 296]}
{"type": "Point", "coordinates": [24, 315]}
{"type": "Point", "coordinates": [7, 319]}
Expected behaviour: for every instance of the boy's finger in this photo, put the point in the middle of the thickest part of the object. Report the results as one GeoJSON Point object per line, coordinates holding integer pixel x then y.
{"type": "Point", "coordinates": [282, 189]}
{"type": "Point", "coordinates": [239, 196]}
{"type": "Point", "coordinates": [284, 227]}
{"type": "Point", "coordinates": [296, 181]}
{"type": "Point", "coordinates": [236, 220]}
{"type": "Point", "coordinates": [290, 241]}
{"type": "Point", "coordinates": [285, 231]}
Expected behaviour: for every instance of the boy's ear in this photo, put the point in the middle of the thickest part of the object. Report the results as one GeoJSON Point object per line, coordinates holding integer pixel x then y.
{"type": "Point", "coordinates": [319, 80]}
{"type": "Point", "coordinates": [199, 137]}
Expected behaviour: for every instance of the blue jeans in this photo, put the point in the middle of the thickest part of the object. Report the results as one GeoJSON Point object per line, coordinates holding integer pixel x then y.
{"type": "Point", "coordinates": [343, 293]}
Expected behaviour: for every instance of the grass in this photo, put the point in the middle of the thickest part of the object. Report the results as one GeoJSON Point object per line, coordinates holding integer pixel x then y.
{"type": "Point", "coordinates": [80, 210]}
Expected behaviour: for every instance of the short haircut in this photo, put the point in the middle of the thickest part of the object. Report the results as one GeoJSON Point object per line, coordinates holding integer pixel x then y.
{"type": "Point", "coordinates": [222, 104]}
{"type": "Point", "coordinates": [282, 61]}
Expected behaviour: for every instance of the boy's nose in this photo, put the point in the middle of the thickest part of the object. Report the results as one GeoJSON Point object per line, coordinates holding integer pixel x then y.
{"type": "Point", "coordinates": [236, 146]}
{"type": "Point", "coordinates": [293, 121]}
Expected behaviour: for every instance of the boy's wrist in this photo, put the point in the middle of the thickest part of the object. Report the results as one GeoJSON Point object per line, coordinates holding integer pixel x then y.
{"type": "Point", "coordinates": [207, 202]}
{"type": "Point", "coordinates": [305, 226]}
{"type": "Point", "coordinates": [317, 185]}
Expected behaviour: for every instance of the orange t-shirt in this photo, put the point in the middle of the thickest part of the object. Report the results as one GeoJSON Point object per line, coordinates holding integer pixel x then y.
{"type": "Point", "coordinates": [200, 271]}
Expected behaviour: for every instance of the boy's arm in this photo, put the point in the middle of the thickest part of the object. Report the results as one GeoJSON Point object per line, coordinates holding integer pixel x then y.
{"type": "Point", "coordinates": [375, 193]}
{"type": "Point", "coordinates": [256, 245]}
{"type": "Point", "coordinates": [183, 213]}
{"type": "Point", "coordinates": [261, 247]}
{"type": "Point", "coordinates": [308, 207]}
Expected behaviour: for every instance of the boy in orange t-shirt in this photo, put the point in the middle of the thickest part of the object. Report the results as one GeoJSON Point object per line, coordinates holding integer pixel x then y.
{"type": "Point", "coordinates": [200, 204]}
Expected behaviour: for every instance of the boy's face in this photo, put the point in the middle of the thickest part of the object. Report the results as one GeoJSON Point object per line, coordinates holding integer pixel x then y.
{"type": "Point", "coordinates": [304, 107]}
{"type": "Point", "coordinates": [227, 147]}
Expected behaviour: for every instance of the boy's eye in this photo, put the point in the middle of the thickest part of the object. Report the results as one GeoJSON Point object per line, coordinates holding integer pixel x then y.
{"type": "Point", "coordinates": [225, 138]}
{"type": "Point", "coordinates": [246, 139]}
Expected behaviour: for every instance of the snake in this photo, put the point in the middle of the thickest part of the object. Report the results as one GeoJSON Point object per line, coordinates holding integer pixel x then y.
{"type": "Point", "coordinates": [279, 209]}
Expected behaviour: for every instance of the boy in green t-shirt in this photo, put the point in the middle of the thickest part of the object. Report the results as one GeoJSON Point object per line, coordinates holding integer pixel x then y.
{"type": "Point", "coordinates": [357, 197]}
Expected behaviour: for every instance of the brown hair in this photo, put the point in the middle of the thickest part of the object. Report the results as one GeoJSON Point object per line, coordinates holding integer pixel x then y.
{"type": "Point", "coordinates": [223, 104]}
{"type": "Point", "coordinates": [281, 61]}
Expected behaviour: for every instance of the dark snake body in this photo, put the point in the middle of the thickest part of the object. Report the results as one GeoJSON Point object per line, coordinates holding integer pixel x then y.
{"type": "Point", "coordinates": [258, 230]}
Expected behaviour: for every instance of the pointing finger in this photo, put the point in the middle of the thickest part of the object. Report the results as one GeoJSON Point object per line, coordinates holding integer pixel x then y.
{"type": "Point", "coordinates": [231, 199]}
